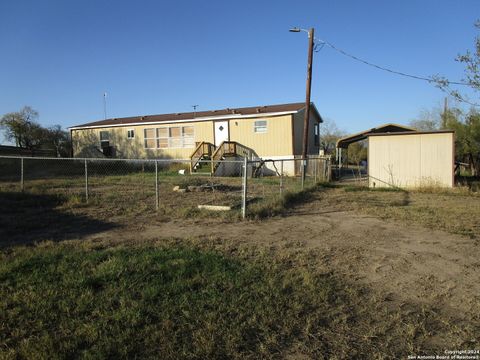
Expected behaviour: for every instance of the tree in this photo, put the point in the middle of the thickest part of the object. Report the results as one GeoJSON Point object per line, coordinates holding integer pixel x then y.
{"type": "Point", "coordinates": [22, 128]}
{"type": "Point", "coordinates": [467, 136]}
{"type": "Point", "coordinates": [58, 139]}
{"type": "Point", "coordinates": [357, 152]}
{"type": "Point", "coordinates": [469, 140]}
{"type": "Point", "coordinates": [329, 134]}
{"type": "Point", "coordinates": [426, 121]}
{"type": "Point", "coordinates": [472, 63]}
{"type": "Point", "coordinates": [471, 60]}
{"type": "Point", "coordinates": [467, 128]}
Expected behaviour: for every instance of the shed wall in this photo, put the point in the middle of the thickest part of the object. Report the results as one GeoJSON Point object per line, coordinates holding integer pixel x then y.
{"type": "Point", "coordinates": [411, 160]}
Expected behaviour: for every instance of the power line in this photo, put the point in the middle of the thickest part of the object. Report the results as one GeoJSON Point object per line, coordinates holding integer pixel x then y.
{"type": "Point", "coordinates": [417, 77]}
{"type": "Point", "coordinates": [442, 83]}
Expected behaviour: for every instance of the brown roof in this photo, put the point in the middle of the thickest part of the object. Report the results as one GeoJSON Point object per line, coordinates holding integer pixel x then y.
{"type": "Point", "coordinates": [199, 114]}
{"type": "Point", "coordinates": [386, 128]}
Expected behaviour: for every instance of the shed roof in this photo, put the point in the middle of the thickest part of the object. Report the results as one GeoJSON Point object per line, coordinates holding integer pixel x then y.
{"type": "Point", "coordinates": [413, 133]}
{"type": "Point", "coordinates": [383, 129]}
{"type": "Point", "coordinates": [200, 115]}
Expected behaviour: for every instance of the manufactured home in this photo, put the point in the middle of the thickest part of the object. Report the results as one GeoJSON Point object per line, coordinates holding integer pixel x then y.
{"type": "Point", "coordinates": [259, 132]}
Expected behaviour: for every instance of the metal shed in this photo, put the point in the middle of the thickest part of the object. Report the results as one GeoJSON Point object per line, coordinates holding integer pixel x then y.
{"type": "Point", "coordinates": [411, 159]}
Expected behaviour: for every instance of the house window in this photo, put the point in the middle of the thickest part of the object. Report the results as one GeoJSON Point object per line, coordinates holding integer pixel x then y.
{"type": "Point", "coordinates": [260, 126]}
{"type": "Point", "coordinates": [150, 138]}
{"type": "Point", "coordinates": [170, 137]}
{"type": "Point", "coordinates": [104, 139]}
{"type": "Point", "coordinates": [163, 135]}
{"type": "Point", "coordinates": [317, 134]}
{"type": "Point", "coordinates": [130, 134]}
{"type": "Point", "coordinates": [188, 136]}
{"type": "Point", "coordinates": [175, 140]}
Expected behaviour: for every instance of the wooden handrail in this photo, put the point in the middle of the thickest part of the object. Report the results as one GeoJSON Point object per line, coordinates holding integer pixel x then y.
{"type": "Point", "coordinates": [203, 149]}
{"type": "Point", "coordinates": [229, 147]}
{"type": "Point", "coordinates": [243, 151]}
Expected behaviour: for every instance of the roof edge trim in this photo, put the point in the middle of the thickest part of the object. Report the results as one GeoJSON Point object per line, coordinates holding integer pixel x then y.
{"type": "Point", "coordinates": [208, 118]}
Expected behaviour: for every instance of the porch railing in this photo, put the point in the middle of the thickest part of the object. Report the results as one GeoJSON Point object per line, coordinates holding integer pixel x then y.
{"type": "Point", "coordinates": [203, 150]}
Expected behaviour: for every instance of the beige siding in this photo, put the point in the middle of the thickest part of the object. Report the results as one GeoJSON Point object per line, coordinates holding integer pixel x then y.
{"type": "Point", "coordinates": [86, 141]}
{"type": "Point", "coordinates": [276, 141]}
{"type": "Point", "coordinates": [298, 120]}
{"type": "Point", "coordinates": [411, 160]}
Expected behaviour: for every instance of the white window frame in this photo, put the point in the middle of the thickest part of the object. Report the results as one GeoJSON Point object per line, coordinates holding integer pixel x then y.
{"type": "Point", "coordinates": [260, 129]}
{"type": "Point", "coordinates": [132, 132]}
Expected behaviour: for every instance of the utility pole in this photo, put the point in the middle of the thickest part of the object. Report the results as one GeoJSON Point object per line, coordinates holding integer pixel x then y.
{"type": "Point", "coordinates": [307, 98]}
{"type": "Point", "coordinates": [445, 110]}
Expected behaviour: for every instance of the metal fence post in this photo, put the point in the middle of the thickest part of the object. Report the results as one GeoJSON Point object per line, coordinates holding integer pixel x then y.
{"type": "Point", "coordinates": [281, 177]}
{"type": "Point", "coordinates": [327, 170]}
{"type": "Point", "coordinates": [22, 182]}
{"type": "Point", "coordinates": [315, 165]}
{"type": "Point", "coordinates": [244, 188]}
{"type": "Point", "coordinates": [86, 181]}
{"type": "Point", "coordinates": [303, 166]}
{"type": "Point", "coordinates": [157, 200]}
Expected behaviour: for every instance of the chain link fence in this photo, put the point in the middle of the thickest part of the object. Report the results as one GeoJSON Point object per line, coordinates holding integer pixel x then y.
{"type": "Point", "coordinates": [167, 186]}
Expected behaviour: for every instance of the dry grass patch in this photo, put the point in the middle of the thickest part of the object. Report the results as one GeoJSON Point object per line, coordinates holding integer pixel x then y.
{"type": "Point", "coordinates": [120, 295]}
{"type": "Point", "coordinates": [456, 211]}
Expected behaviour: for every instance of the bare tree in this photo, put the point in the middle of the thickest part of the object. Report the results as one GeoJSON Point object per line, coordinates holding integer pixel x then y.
{"type": "Point", "coordinates": [427, 120]}
{"type": "Point", "coordinates": [471, 60]}
{"type": "Point", "coordinates": [329, 134]}
{"type": "Point", "coordinates": [23, 128]}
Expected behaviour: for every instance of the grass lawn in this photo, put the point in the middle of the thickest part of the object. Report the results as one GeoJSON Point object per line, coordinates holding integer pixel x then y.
{"type": "Point", "coordinates": [208, 298]}
{"type": "Point", "coordinates": [188, 299]}
{"type": "Point", "coordinates": [71, 301]}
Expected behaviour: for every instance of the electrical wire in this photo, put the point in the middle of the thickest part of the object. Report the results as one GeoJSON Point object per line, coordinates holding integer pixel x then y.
{"type": "Point", "coordinates": [441, 83]}
{"type": "Point", "coordinates": [430, 80]}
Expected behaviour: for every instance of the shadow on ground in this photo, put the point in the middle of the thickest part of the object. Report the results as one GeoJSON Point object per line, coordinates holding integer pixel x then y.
{"type": "Point", "coordinates": [28, 218]}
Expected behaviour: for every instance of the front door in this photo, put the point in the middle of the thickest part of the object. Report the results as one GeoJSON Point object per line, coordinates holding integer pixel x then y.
{"type": "Point", "coordinates": [221, 132]}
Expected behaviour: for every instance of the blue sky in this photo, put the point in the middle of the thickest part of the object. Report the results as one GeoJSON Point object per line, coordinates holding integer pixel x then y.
{"type": "Point", "coordinates": [164, 56]}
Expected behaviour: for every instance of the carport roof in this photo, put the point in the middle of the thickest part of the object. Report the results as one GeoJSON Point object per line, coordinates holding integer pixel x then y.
{"type": "Point", "coordinates": [384, 129]}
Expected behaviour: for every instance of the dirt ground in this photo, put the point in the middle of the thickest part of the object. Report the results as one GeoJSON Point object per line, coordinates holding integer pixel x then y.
{"type": "Point", "coordinates": [404, 264]}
